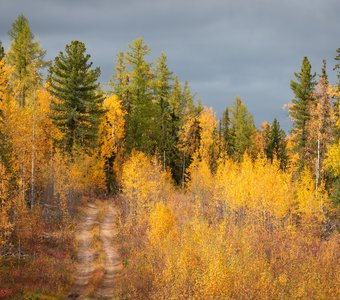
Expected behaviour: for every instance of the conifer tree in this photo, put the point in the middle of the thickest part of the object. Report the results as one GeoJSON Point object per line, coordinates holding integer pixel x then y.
{"type": "Point", "coordinates": [277, 146]}
{"type": "Point", "coordinates": [300, 109]}
{"type": "Point", "coordinates": [77, 107]}
{"type": "Point", "coordinates": [180, 101]}
{"type": "Point", "coordinates": [151, 95]}
{"type": "Point", "coordinates": [162, 89]}
{"type": "Point", "coordinates": [242, 127]}
{"type": "Point", "coordinates": [2, 51]}
{"type": "Point", "coordinates": [226, 133]}
{"type": "Point", "coordinates": [337, 66]}
{"type": "Point", "coordinates": [188, 99]}
{"type": "Point", "coordinates": [264, 135]}
{"type": "Point", "coordinates": [120, 81]}
{"type": "Point", "coordinates": [26, 56]}
{"type": "Point", "coordinates": [190, 137]}
{"type": "Point", "coordinates": [141, 132]}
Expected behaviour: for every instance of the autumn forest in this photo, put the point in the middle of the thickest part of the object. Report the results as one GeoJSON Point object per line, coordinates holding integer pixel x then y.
{"type": "Point", "coordinates": [135, 190]}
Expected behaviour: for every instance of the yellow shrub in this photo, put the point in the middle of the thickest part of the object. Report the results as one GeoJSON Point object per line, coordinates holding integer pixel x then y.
{"type": "Point", "coordinates": [162, 222]}
{"type": "Point", "coordinates": [143, 182]}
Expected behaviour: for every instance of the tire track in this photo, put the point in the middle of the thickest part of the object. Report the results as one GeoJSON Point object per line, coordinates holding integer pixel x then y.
{"type": "Point", "coordinates": [85, 285]}
{"type": "Point", "coordinates": [112, 263]}
{"type": "Point", "coordinates": [85, 255]}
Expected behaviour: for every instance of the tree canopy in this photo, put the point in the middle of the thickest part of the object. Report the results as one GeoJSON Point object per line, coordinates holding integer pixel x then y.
{"type": "Point", "coordinates": [77, 106]}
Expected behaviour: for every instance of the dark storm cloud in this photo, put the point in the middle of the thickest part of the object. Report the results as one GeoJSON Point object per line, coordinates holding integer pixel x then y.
{"type": "Point", "coordinates": [226, 48]}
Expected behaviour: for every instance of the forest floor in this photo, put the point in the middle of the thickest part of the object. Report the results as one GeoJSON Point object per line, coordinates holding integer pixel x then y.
{"type": "Point", "coordinates": [99, 264]}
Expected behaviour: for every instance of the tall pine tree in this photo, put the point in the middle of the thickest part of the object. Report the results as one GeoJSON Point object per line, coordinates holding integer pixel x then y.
{"type": "Point", "coordinates": [77, 107]}
{"type": "Point", "coordinates": [300, 109]}
{"type": "Point", "coordinates": [277, 145]}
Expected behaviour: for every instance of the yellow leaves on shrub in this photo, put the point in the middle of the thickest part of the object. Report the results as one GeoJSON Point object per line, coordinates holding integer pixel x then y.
{"type": "Point", "coordinates": [197, 134]}
{"type": "Point", "coordinates": [4, 78]}
{"type": "Point", "coordinates": [282, 279]}
{"type": "Point", "coordinates": [200, 184]}
{"type": "Point", "coordinates": [19, 124]}
{"type": "Point", "coordinates": [259, 186]}
{"type": "Point", "coordinates": [333, 91]}
{"type": "Point", "coordinates": [143, 182]}
{"type": "Point", "coordinates": [225, 181]}
{"type": "Point", "coordinates": [272, 192]}
{"type": "Point", "coordinates": [208, 126]}
{"type": "Point", "coordinates": [162, 223]}
{"type": "Point", "coordinates": [87, 173]}
{"type": "Point", "coordinates": [311, 202]}
{"type": "Point", "coordinates": [332, 161]}
{"type": "Point", "coordinates": [4, 184]}
{"type": "Point", "coordinates": [112, 127]}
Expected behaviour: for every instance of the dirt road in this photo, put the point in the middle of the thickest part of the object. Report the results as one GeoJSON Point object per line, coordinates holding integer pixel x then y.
{"type": "Point", "coordinates": [99, 263]}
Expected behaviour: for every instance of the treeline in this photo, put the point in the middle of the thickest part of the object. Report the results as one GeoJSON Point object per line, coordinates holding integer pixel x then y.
{"type": "Point", "coordinates": [159, 115]}
{"type": "Point", "coordinates": [63, 137]}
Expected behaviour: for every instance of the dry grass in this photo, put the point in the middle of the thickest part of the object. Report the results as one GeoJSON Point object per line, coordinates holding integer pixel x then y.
{"type": "Point", "coordinates": [46, 272]}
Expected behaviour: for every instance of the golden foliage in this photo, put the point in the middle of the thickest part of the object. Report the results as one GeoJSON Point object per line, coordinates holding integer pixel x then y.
{"type": "Point", "coordinates": [208, 126]}
{"type": "Point", "coordinates": [261, 187]}
{"type": "Point", "coordinates": [332, 161]}
{"type": "Point", "coordinates": [247, 231]}
{"type": "Point", "coordinates": [5, 72]}
{"type": "Point", "coordinates": [311, 203]}
{"type": "Point", "coordinates": [87, 173]}
{"type": "Point", "coordinates": [143, 182]}
{"type": "Point", "coordinates": [112, 127]}
{"type": "Point", "coordinates": [162, 223]}
{"type": "Point", "coordinates": [6, 226]}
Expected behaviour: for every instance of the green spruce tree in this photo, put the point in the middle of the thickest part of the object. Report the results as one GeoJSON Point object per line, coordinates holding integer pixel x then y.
{"type": "Point", "coordinates": [181, 108]}
{"type": "Point", "coordinates": [300, 109]}
{"type": "Point", "coordinates": [277, 145]}
{"type": "Point", "coordinates": [77, 107]}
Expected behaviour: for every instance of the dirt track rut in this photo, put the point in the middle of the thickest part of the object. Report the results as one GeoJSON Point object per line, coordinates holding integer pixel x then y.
{"type": "Point", "coordinates": [99, 263]}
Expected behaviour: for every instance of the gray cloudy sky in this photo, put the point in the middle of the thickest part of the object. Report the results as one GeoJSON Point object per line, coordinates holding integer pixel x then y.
{"type": "Point", "coordinates": [246, 48]}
